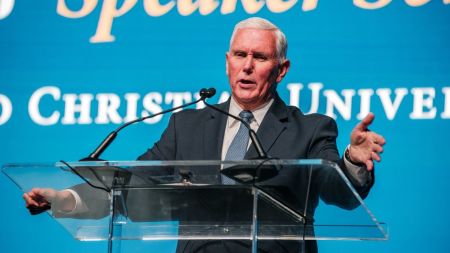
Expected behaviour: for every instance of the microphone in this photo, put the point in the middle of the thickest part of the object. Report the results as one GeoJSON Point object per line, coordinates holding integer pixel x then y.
{"type": "Point", "coordinates": [255, 140]}
{"type": "Point", "coordinates": [207, 93]}
{"type": "Point", "coordinates": [94, 156]}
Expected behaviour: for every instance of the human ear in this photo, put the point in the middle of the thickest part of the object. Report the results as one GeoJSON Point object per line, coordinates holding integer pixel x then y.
{"type": "Point", "coordinates": [283, 69]}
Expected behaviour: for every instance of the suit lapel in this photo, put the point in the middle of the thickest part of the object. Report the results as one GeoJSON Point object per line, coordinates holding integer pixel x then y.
{"type": "Point", "coordinates": [213, 132]}
{"type": "Point", "coordinates": [272, 126]}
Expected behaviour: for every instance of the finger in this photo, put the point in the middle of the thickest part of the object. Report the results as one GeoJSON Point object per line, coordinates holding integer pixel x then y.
{"type": "Point", "coordinates": [35, 192]}
{"type": "Point", "coordinates": [376, 138]}
{"type": "Point", "coordinates": [42, 193]}
{"type": "Point", "coordinates": [376, 157]}
{"type": "Point", "coordinates": [369, 165]}
{"type": "Point", "coordinates": [36, 196]}
{"type": "Point", "coordinates": [363, 125]}
{"type": "Point", "coordinates": [28, 200]}
{"type": "Point", "coordinates": [377, 148]}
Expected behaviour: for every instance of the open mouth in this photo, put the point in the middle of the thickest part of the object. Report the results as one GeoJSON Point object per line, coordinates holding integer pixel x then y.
{"type": "Point", "coordinates": [245, 81]}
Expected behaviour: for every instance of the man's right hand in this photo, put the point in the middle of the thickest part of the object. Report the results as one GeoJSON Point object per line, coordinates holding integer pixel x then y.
{"type": "Point", "coordinates": [40, 199]}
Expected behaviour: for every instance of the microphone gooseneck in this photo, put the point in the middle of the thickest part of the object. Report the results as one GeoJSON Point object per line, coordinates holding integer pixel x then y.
{"type": "Point", "coordinates": [95, 155]}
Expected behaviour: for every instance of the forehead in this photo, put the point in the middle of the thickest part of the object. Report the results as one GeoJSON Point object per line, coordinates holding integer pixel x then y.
{"type": "Point", "coordinates": [252, 39]}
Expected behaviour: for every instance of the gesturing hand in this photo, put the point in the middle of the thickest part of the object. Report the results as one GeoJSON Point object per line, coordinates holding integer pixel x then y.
{"type": "Point", "coordinates": [365, 146]}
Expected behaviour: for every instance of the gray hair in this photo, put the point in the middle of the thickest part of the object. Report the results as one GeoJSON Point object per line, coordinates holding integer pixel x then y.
{"type": "Point", "coordinates": [264, 24]}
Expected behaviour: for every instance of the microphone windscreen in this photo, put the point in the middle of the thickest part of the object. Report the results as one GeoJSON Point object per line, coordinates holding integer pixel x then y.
{"type": "Point", "coordinates": [211, 92]}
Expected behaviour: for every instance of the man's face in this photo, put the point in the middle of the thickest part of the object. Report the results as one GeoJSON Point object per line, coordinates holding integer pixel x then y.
{"type": "Point", "coordinates": [253, 68]}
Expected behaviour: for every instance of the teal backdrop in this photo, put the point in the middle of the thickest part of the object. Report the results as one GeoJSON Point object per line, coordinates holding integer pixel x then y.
{"type": "Point", "coordinates": [72, 71]}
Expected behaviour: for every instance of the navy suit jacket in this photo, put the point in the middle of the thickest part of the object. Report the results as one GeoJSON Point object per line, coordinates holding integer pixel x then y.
{"type": "Point", "coordinates": [285, 133]}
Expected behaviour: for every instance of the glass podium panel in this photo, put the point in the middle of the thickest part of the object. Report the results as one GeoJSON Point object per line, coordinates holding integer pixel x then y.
{"type": "Point", "coordinates": [186, 200]}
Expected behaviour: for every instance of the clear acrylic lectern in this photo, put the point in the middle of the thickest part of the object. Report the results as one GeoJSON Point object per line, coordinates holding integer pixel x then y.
{"type": "Point", "coordinates": [186, 200]}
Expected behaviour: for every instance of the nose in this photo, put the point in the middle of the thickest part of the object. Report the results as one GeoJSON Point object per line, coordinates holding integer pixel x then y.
{"type": "Point", "coordinates": [248, 64]}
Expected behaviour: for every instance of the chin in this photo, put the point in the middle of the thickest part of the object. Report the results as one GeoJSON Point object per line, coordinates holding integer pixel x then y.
{"type": "Point", "coordinates": [246, 99]}
{"type": "Point", "coordinates": [246, 94]}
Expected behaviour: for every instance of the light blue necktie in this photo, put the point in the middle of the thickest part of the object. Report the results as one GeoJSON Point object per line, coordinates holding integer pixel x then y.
{"type": "Point", "coordinates": [238, 146]}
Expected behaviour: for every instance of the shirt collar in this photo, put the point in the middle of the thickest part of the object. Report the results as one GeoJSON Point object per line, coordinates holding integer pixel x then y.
{"type": "Point", "coordinates": [258, 113]}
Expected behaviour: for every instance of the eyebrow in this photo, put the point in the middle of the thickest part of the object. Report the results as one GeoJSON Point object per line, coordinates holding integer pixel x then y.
{"type": "Point", "coordinates": [255, 53]}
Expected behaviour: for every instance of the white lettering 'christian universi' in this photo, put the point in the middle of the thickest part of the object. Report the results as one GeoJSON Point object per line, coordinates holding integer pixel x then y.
{"type": "Point", "coordinates": [423, 98]}
{"type": "Point", "coordinates": [110, 108]}
{"type": "Point", "coordinates": [78, 107]}
{"type": "Point", "coordinates": [6, 7]}
{"type": "Point", "coordinates": [5, 109]}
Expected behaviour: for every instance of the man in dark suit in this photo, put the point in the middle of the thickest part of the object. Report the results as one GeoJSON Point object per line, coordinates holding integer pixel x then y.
{"type": "Point", "coordinates": [255, 64]}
